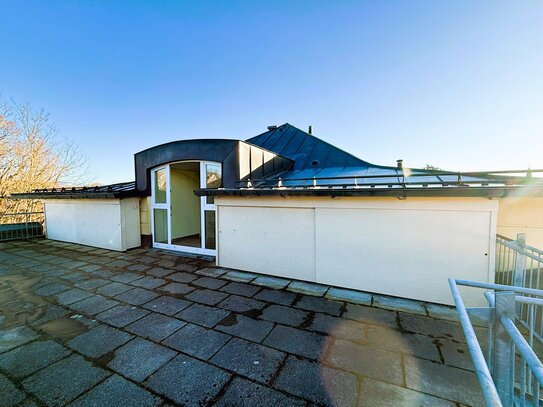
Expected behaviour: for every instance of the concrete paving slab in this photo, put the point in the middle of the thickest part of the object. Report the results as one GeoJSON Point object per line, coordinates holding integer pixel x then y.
{"type": "Point", "coordinates": [117, 391]}
{"type": "Point", "coordinates": [443, 381]}
{"type": "Point", "coordinates": [212, 272]}
{"type": "Point", "coordinates": [398, 304]}
{"type": "Point", "coordinates": [243, 289]}
{"type": "Point", "coordinates": [367, 361]}
{"type": "Point", "coordinates": [137, 296]}
{"type": "Point", "coordinates": [126, 277]}
{"type": "Point", "coordinates": [352, 296]}
{"type": "Point", "coordinates": [271, 282]}
{"type": "Point", "coordinates": [241, 304]}
{"type": "Point", "coordinates": [371, 315]}
{"type": "Point", "coordinates": [208, 282]}
{"type": "Point", "coordinates": [300, 342]}
{"type": "Point", "coordinates": [139, 358]}
{"type": "Point", "coordinates": [92, 283]}
{"type": "Point", "coordinates": [203, 315]}
{"type": "Point", "coordinates": [71, 296]}
{"type": "Point", "coordinates": [284, 315]}
{"type": "Point", "coordinates": [64, 380]}
{"type": "Point", "coordinates": [99, 341]}
{"type": "Point", "coordinates": [201, 381]}
{"type": "Point", "coordinates": [239, 276]}
{"type": "Point", "coordinates": [93, 305]}
{"type": "Point", "coordinates": [159, 272]}
{"type": "Point", "coordinates": [374, 393]}
{"type": "Point", "coordinates": [10, 395]}
{"type": "Point", "coordinates": [207, 297]}
{"type": "Point", "coordinates": [320, 384]}
{"type": "Point", "coordinates": [338, 327]}
{"type": "Point", "coordinates": [167, 305]}
{"type": "Point", "coordinates": [302, 287]}
{"type": "Point", "coordinates": [182, 277]}
{"type": "Point", "coordinates": [155, 326]}
{"type": "Point", "coordinates": [121, 315]}
{"type": "Point", "coordinates": [197, 341]}
{"type": "Point", "coordinates": [242, 392]}
{"type": "Point", "coordinates": [318, 304]}
{"type": "Point", "coordinates": [112, 289]}
{"type": "Point", "coordinates": [149, 282]}
{"type": "Point", "coordinates": [27, 359]}
{"type": "Point", "coordinates": [276, 296]}
{"type": "Point", "coordinates": [176, 288]}
{"type": "Point", "coordinates": [11, 338]}
{"type": "Point", "coordinates": [249, 359]}
{"type": "Point", "coordinates": [245, 327]}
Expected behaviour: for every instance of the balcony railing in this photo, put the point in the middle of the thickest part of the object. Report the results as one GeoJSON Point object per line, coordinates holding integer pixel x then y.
{"type": "Point", "coordinates": [21, 225]}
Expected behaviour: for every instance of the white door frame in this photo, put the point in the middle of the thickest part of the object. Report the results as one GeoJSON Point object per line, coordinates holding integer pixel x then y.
{"type": "Point", "coordinates": [204, 206]}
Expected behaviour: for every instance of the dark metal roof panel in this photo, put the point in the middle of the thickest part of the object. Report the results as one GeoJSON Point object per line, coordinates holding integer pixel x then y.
{"type": "Point", "coordinates": [112, 191]}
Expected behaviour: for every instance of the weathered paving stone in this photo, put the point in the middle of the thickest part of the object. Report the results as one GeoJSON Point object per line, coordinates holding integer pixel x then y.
{"type": "Point", "coordinates": [456, 354]}
{"type": "Point", "coordinates": [90, 268]}
{"type": "Point", "coordinates": [112, 289]}
{"type": "Point", "coordinates": [73, 277]}
{"type": "Point", "coordinates": [92, 283]}
{"type": "Point", "coordinates": [208, 282]}
{"type": "Point", "coordinates": [246, 328]}
{"type": "Point", "coordinates": [52, 289]}
{"type": "Point", "coordinates": [158, 272]}
{"type": "Point", "coordinates": [99, 341]}
{"type": "Point", "coordinates": [374, 393]}
{"type": "Point", "coordinates": [177, 288]}
{"type": "Point", "coordinates": [64, 380]}
{"type": "Point", "coordinates": [249, 359]}
{"type": "Point", "coordinates": [338, 327]}
{"type": "Point", "coordinates": [208, 297]}
{"type": "Point", "coordinates": [393, 340]}
{"type": "Point", "coordinates": [292, 340]}
{"type": "Point", "coordinates": [10, 395]}
{"type": "Point", "coordinates": [149, 282]}
{"type": "Point", "coordinates": [126, 277]}
{"type": "Point", "coordinates": [352, 296]}
{"type": "Point", "coordinates": [211, 272]}
{"type": "Point", "coordinates": [119, 263]}
{"type": "Point", "coordinates": [187, 381]}
{"type": "Point", "coordinates": [276, 296]}
{"type": "Point", "coordinates": [284, 315]}
{"type": "Point", "coordinates": [442, 312]}
{"type": "Point", "coordinates": [121, 315]}
{"type": "Point", "coordinates": [435, 327]}
{"type": "Point", "coordinates": [367, 361]}
{"type": "Point", "coordinates": [197, 341]}
{"type": "Point", "coordinates": [27, 359]}
{"type": "Point", "coordinates": [370, 315]}
{"type": "Point", "coordinates": [302, 287]}
{"type": "Point", "coordinates": [11, 338]}
{"type": "Point", "coordinates": [138, 267]}
{"type": "Point", "coordinates": [318, 383]}
{"type": "Point", "coordinates": [155, 326]}
{"type": "Point", "coordinates": [71, 296]}
{"type": "Point", "coordinates": [241, 392]}
{"type": "Point", "coordinates": [185, 267]}
{"type": "Point", "coordinates": [182, 277]}
{"type": "Point", "coordinates": [137, 296]}
{"type": "Point", "coordinates": [239, 276]}
{"type": "Point", "coordinates": [246, 290]}
{"type": "Point", "coordinates": [443, 381]}
{"type": "Point", "coordinates": [140, 358]}
{"type": "Point", "coordinates": [93, 305]}
{"type": "Point", "coordinates": [398, 304]}
{"type": "Point", "coordinates": [116, 391]}
{"type": "Point", "coordinates": [320, 305]}
{"type": "Point", "coordinates": [271, 282]}
{"type": "Point", "coordinates": [167, 305]}
{"type": "Point", "coordinates": [203, 315]}
{"type": "Point", "coordinates": [49, 313]}
{"type": "Point", "coordinates": [241, 304]}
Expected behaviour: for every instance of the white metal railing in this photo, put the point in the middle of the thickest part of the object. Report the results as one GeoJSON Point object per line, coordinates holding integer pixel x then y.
{"type": "Point", "coordinates": [508, 346]}
{"type": "Point", "coordinates": [521, 265]}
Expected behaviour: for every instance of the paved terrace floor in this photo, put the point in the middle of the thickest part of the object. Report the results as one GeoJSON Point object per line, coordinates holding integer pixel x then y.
{"type": "Point", "coordinates": [89, 327]}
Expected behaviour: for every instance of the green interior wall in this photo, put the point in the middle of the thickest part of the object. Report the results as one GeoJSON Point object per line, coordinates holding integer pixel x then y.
{"type": "Point", "coordinates": [185, 205]}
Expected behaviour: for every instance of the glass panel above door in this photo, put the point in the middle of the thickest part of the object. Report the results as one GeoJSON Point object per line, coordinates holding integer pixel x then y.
{"type": "Point", "coordinates": [160, 186]}
{"type": "Point", "coordinates": [213, 173]}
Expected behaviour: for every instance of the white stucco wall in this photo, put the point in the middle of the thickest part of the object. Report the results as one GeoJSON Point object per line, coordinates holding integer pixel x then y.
{"type": "Point", "coordinates": [105, 223]}
{"type": "Point", "coordinates": [406, 248]}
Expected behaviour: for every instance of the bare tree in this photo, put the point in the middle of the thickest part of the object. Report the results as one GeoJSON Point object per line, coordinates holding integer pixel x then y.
{"type": "Point", "coordinates": [32, 156]}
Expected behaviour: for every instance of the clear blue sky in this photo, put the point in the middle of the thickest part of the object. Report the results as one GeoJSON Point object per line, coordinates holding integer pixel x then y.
{"type": "Point", "coordinates": [458, 84]}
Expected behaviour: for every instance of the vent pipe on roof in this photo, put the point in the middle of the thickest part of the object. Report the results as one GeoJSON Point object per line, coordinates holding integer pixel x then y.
{"type": "Point", "coordinates": [310, 129]}
{"type": "Point", "coordinates": [272, 127]}
{"type": "Point", "coordinates": [399, 164]}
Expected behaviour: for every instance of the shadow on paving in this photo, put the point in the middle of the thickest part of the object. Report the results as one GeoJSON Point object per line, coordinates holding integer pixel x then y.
{"type": "Point", "coordinates": [84, 326]}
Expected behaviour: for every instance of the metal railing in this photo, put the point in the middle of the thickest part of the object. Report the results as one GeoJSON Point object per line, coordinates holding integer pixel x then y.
{"type": "Point", "coordinates": [21, 225]}
{"type": "Point", "coordinates": [501, 382]}
{"type": "Point", "coordinates": [521, 265]}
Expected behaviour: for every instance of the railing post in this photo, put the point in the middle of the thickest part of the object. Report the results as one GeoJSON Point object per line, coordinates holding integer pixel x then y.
{"type": "Point", "coordinates": [503, 365]}
{"type": "Point", "coordinates": [520, 261]}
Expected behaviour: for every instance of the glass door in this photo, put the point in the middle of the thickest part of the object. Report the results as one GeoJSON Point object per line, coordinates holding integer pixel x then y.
{"type": "Point", "coordinates": [175, 208]}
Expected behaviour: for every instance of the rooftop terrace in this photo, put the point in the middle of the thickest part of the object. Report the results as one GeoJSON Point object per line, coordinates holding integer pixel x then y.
{"type": "Point", "coordinates": [85, 326]}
